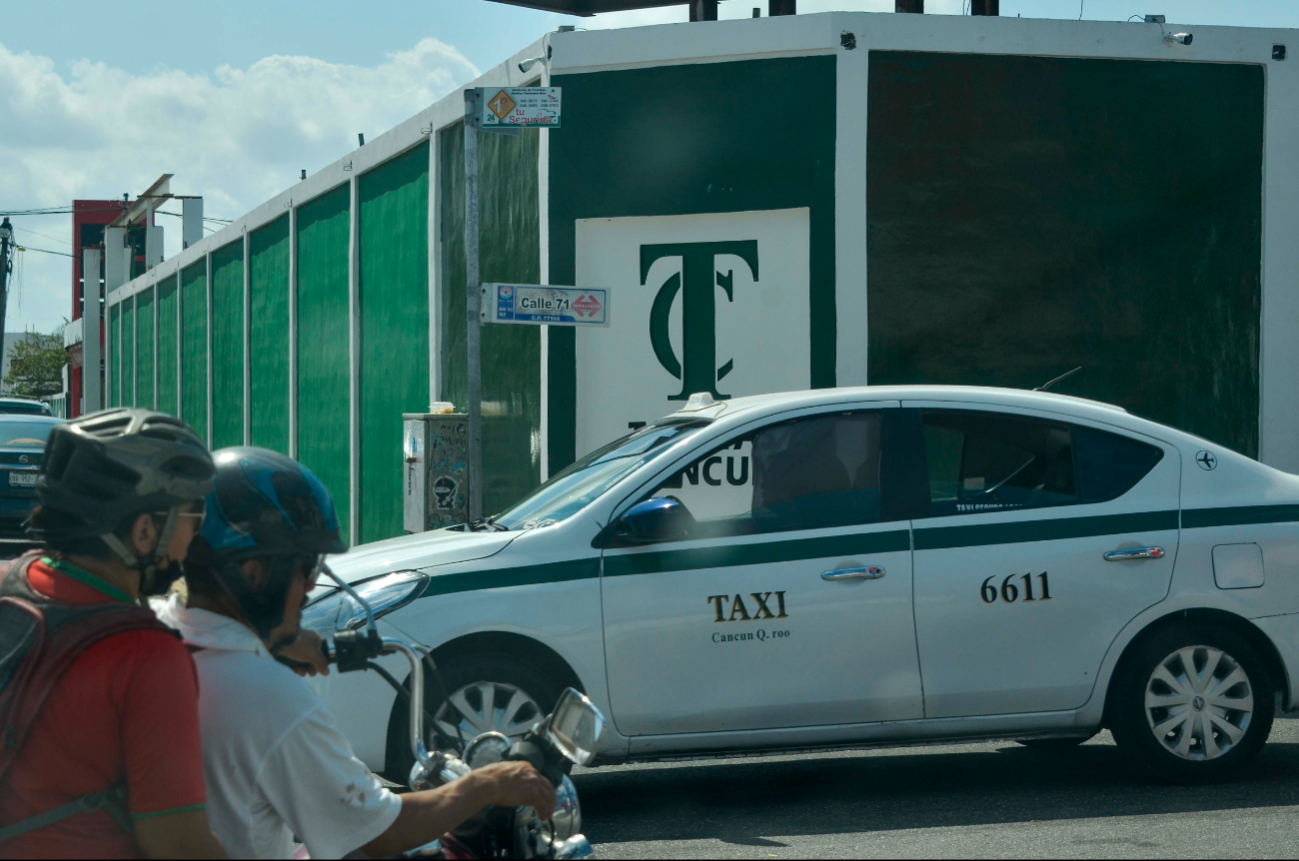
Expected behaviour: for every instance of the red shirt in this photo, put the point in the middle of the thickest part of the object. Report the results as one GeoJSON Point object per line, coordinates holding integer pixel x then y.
{"type": "Point", "coordinates": [126, 709]}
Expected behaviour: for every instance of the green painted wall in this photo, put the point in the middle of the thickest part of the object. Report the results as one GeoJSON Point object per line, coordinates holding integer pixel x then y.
{"type": "Point", "coordinates": [509, 250]}
{"type": "Point", "coordinates": [324, 403]}
{"type": "Point", "coordinates": [168, 390]}
{"type": "Point", "coordinates": [144, 309]}
{"type": "Point", "coordinates": [1042, 223]}
{"type": "Point", "coordinates": [128, 352]}
{"type": "Point", "coordinates": [654, 142]}
{"type": "Point", "coordinates": [228, 345]}
{"type": "Point", "coordinates": [193, 389]}
{"type": "Point", "coordinates": [269, 338]}
{"type": "Point", "coordinates": [112, 358]}
{"type": "Point", "coordinates": [393, 201]}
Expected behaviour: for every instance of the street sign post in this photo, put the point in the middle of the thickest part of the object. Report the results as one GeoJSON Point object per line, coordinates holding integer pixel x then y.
{"type": "Point", "coordinates": [541, 304]}
{"type": "Point", "coordinates": [502, 110]}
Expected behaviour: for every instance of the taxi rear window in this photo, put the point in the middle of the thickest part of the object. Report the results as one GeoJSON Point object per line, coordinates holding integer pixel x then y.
{"type": "Point", "coordinates": [979, 462]}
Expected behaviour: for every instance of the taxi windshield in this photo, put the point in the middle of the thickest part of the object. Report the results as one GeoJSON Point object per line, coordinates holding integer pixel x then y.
{"type": "Point", "coordinates": [573, 489]}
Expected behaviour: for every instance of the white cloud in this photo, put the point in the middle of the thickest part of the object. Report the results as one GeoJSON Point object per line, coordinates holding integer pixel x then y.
{"type": "Point", "coordinates": [237, 137]}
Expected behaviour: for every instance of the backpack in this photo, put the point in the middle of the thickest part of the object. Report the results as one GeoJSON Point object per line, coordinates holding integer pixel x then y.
{"type": "Point", "coordinates": [39, 639]}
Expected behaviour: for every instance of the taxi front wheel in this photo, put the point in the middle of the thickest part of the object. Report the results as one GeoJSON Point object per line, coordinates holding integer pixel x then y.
{"type": "Point", "coordinates": [486, 692]}
{"type": "Point", "coordinates": [1192, 704]}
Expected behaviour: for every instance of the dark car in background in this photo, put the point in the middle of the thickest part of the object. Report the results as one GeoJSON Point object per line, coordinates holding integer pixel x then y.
{"type": "Point", "coordinates": [22, 445]}
{"type": "Point", "coordinates": [24, 406]}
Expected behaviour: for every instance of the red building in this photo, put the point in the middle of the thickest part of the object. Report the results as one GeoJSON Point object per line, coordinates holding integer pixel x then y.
{"type": "Point", "coordinates": [89, 218]}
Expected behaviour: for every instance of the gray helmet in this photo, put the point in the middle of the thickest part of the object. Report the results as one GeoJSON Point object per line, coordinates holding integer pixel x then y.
{"type": "Point", "coordinates": [108, 465]}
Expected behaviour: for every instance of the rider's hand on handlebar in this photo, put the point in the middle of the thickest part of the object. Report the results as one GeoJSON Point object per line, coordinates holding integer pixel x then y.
{"type": "Point", "coordinates": [518, 784]}
{"type": "Point", "coordinates": [305, 654]}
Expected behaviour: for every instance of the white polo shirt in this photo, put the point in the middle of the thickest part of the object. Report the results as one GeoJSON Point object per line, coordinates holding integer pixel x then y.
{"type": "Point", "coordinates": [276, 765]}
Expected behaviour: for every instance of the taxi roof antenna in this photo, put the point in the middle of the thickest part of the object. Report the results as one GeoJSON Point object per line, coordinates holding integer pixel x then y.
{"type": "Point", "coordinates": [1049, 383]}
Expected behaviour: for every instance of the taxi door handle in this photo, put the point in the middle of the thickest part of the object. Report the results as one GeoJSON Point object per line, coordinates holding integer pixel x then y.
{"type": "Point", "coordinates": [870, 572]}
{"type": "Point", "coordinates": [1135, 553]}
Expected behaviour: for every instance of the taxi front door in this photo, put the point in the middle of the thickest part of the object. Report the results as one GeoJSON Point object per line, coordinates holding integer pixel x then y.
{"type": "Point", "coordinates": [784, 612]}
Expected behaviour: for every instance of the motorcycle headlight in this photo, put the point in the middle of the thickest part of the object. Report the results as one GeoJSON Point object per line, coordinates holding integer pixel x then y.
{"type": "Point", "coordinates": [339, 611]}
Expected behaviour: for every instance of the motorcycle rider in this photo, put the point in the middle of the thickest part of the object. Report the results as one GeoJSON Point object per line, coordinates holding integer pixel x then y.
{"type": "Point", "coordinates": [276, 763]}
{"type": "Point", "coordinates": [108, 763]}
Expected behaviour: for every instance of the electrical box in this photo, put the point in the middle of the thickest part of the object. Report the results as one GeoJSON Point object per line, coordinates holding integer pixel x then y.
{"type": "Point", "coordinates": [435, 454]}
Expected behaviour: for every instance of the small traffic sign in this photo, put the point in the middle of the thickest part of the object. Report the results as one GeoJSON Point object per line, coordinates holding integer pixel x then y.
{"type": "Point", "coordinates": [542, 304]}
{"type": "Point", "coordinates": [514, 107]}
{"type": "Point", "coordinates": [501, 104]}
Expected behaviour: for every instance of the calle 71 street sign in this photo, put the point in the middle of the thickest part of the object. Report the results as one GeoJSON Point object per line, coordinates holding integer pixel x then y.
{"type": "Point", "coordinates": [542, 304]}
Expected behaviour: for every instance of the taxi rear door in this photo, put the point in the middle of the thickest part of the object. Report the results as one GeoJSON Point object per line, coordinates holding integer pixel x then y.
{"type": "Point", "coordinates": [1044, 538]}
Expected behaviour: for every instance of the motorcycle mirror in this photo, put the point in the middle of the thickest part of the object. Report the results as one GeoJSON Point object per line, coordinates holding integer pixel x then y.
{"type": "Point", "coordinates": [575, 727]}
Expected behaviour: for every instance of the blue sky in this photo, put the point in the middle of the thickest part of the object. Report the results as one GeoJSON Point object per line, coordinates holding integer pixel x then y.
{"type": "Point", "coordinates": [147, 34]}
{"type": "Point", "coordinates": [237, 96]}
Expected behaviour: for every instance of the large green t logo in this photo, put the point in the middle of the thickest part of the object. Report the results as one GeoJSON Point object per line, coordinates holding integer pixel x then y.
{"type": "Point", "coordinates": [697, 369]}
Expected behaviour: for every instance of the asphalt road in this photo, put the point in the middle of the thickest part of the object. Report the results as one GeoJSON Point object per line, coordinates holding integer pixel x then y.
{"type": "Point", "coordinates": [986, 800]}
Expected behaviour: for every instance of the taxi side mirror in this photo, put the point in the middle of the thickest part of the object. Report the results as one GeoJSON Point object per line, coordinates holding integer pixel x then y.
{"type": "Point", "coordinates": [662, 518]}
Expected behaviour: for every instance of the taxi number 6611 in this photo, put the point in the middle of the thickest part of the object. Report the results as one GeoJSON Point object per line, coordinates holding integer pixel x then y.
{"type": "Point", "coordinates": [1010, 591]}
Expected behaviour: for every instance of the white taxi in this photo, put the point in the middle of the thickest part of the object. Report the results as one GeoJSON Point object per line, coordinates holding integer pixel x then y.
{"type": "Point", "coordinates": [860, 567]}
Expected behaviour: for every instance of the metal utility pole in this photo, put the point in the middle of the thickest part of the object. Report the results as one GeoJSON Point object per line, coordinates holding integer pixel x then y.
{"type": "Point", "coordinates": [473, 301]}
{"type": "Point", "coordinates": [537, 106]}
{"type": "Point", "coordinates": [6, 267]}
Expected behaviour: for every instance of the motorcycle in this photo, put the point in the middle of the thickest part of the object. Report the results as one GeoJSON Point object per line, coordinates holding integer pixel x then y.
{"type": "Point", "coordinates": [567, 737]}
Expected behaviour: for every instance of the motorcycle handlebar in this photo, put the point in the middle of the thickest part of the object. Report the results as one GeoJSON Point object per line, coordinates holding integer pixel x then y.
{"type": "Point", "coordinates": [354, 652]}
{"type": "Point", "coordinates": [417, 747]}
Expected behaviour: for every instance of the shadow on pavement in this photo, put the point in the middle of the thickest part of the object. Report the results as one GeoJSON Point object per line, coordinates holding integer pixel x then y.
{"type": "Point", "coordinates": [881, 791]}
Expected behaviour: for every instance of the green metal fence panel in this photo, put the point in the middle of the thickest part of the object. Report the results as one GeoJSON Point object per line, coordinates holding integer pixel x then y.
{"type": "Point", "coordinates": [268, 264]}
{"type": "Point", "coordinates": [145, 348]}
{"type": "Point", "coordinates": [323, 355]}
{"type": "Point", "coordinates": [193, 305]}
{"type": "Point", "coordinates": [111, 356]}
{"type": "Point", "coordinates": [394, 329]}
{"type": "Point", "coordinates": [168, 388]}
{"type": "Point", "coordinates": [228, 345]}
{"type": "Point", "coordinates": [128, 352]}
{"type": "Point", "coordinates": [1044, 241]}
{"type": "Point", "coordinates": [509, 250]}
{"type": "Point", "coordinates": [727, 167]}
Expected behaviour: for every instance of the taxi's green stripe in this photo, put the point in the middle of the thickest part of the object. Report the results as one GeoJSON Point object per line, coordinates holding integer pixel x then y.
{"type": "Point", "coordinates": [523, 575]}
{"type": "Point", "coordinates": [1197, 518]}
{"type": "Point", "coordinates": [945, 537]}
{"type": "Point", "coordinates": [619, 564]}
{"type": "Point", "coordinates": [731, 555]}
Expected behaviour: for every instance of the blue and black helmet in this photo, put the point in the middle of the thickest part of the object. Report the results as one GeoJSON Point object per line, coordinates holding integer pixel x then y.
{"type": "Point", "coordinates": [267, 507]}
{"type": "Point", "coordinates": [266, 504]}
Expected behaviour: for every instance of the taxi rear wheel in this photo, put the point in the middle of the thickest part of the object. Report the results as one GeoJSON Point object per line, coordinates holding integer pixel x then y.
{"type": "Point", "coordinates": [1193, 704]}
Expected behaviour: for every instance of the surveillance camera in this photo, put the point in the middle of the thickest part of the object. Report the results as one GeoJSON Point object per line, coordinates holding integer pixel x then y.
{"type": "Point", "coordinates": [1178, 38]}
{"type": "Point", "coordinates": [528, 64]}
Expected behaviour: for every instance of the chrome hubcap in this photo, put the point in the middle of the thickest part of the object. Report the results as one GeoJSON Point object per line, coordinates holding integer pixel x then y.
{"type": "Point", "coordinates": [488, 707]}
{"type": "Point", "coordinates": [1199, 702]}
